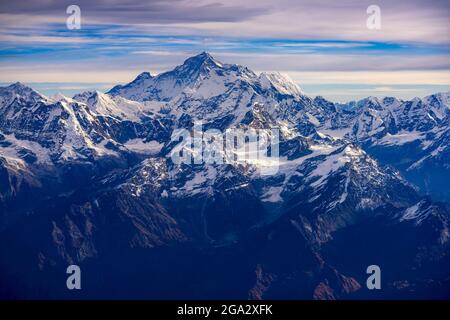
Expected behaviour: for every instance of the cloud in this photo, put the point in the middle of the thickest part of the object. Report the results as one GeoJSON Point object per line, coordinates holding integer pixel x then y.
{"type": "Point", "coordinates": [337, 62]}
{"type": "Point", "coordinates": [42, 39]}
{"type": "Point", "coordinates": [138, 12]}
{"type": "Point", "coordinates": [403, 20]}
{"type": "Point", "coordinates": [314, 41]}
{"type": "Point", "coordinates": [325, 45]}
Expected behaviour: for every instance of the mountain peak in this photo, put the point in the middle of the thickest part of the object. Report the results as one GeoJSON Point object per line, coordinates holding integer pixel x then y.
{"type": "Point", "coordinates": [57, 97]}
{"type": "Point", "coordinates": [204, 56]}
{"type": "Point", "coordinates": [140, 80]}
{"type": "Point", "coordinates": [443, 98]}
{"type": "Point", "coordinates": [19, 89]}
{"type": "Point", "coordinates": [281, 82]}
{"type": "Point", "coordinates": [202, 59]}
{"type": "Point", "coordinates": [143, 76]}
{"type": "Point", "coordinates": [370, 102]}
{"type": "Point", "coordinates": [17, 85]}
{"type": "Point", "coordinates": [91, 97]}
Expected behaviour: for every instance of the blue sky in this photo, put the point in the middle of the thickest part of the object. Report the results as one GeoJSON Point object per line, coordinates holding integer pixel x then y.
{"type": "Point", "coordinates": [324, 46]}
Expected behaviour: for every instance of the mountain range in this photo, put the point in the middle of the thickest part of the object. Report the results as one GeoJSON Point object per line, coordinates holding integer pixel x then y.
{"type": "Point", "coordinates": [89, 180]}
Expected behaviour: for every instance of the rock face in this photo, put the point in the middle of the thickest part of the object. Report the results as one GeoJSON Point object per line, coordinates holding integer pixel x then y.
{"type": "Point", "coordinates": [90, 180]}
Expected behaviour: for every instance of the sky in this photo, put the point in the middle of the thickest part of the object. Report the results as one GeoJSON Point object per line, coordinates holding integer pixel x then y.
{"type": "Point", "coordinates": [324, 46]}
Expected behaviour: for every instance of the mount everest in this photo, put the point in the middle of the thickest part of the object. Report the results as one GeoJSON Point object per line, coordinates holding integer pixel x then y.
{"type": "Point", "coordinates": [88, 180]}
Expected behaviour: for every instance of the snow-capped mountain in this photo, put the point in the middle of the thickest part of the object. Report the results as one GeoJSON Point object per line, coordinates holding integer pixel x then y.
{"type": "Point", "coordinates": [410, 135]}
{"type": "Point", "coordinates": [99, 172]}
{"type": "Point", "coordinates": [17, 92]}
{"type": "Point", "coordinates": [60, 129]}
{"type": "Point", "coordinates": [208, 90]}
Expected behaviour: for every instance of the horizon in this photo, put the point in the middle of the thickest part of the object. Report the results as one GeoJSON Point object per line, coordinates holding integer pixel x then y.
{"type": "Point", "coordinates": [70, 89]}
{"type": "Point", "coordinates": [327, 49]}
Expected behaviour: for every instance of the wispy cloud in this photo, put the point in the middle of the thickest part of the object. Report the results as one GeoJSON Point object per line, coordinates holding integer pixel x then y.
{"type": "Point", "coordinates": [141, 12]}
{"type": "Point", "coordinates": [315, 41]}
{"type": "Point", "coordinates": [6, 38]}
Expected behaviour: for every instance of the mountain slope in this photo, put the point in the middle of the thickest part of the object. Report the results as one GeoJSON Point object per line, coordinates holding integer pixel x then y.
{"type": "Point", "coordinates": [108, 196]}
{"type": "Point", "coordinates": [410, 135]}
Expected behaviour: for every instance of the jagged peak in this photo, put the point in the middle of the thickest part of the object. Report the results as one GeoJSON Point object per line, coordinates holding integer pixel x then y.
{"type": "Point", "coordinates": [200, 60]}
{"type": "Point", "coordinates": [203, 57]}
{"type": "Point", "coordinates": [390, 100]}
{"type": "Point", "coordinates": [372, 99]}
{"type": "Point", "coordinates": [140, 79]}
{"type": "Point", "coordinates": [92, 97]}
{"type": "Point", "coordinates": [84, 95]}
{"type": "Point", "coordinates": [144, 75]}
{"type": "Point", "coordinates": [19, 87]}
{"type": "Point", "coordinates": [371, 102]}
{"type": "Point", "coordinates": [22, 90]}
{"type": "Point", "coordinates": [282, 82]}
{"type": "Point", "coordinates": [442, 97]}
{"type": "Point", "coordinates": [57, 97]}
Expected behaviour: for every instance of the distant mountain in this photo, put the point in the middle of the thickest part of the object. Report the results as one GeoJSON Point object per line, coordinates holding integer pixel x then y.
{"type": "Point", "coordinates": [411, 135]}
{"type": "Point", "coordinates": [89, 180]}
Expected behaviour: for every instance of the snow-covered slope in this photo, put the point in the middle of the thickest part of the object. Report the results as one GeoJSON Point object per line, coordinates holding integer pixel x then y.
{"type": "Point", "coordinates": [53, 130]}
{"type": "Point", "coordinates": [410, 135]}
{"type": "Point", "coordinates": [206, 89]}
{"type": "Point", "coordinates": [99, 170]}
